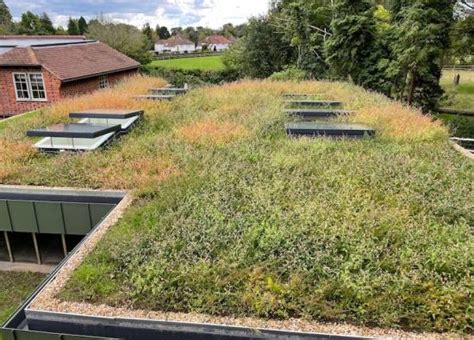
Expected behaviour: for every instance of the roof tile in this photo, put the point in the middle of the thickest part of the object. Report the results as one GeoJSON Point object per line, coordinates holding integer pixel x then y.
{"type": "Point", "coordinates": [69, 62]}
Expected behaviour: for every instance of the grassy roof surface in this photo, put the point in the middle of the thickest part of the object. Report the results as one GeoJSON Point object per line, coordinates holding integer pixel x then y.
{"type": "Point", "coordinates": [234, 218]}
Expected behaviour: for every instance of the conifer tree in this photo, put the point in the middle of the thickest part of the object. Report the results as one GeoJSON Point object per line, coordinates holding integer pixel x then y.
{"type": "Point", "coordinates": [353, 36]}
{"type": "Point", "coordinates": [45, 25]}
{"type": "Point", "coordinates": [82, 25]}
{"type": "Point", "coordinates": [420, 39]}
{"type": "Point", "coordinates": [5, 15]}
{"type": "Point", "coordinates": [72, 27]}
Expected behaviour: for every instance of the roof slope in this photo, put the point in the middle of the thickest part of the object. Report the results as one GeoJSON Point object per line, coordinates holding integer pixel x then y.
{"type": "Point", "coordinates": [217, 40]}
{"type": "Point", "coordinates": [70, 62]}
{"type": "Point", "coordinates": [175, 41]}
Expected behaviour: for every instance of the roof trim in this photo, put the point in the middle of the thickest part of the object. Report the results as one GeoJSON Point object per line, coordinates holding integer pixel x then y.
{"type": "Point", "coordinates": [68, 80]}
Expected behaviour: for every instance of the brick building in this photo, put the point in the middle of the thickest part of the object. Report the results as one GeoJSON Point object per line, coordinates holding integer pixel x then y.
{"type": "Point", "coordinates": [34, 75]}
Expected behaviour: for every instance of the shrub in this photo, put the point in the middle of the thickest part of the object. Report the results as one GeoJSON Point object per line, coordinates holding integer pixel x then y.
{"type": "Point", "coordinates": [179, 77]}
{"type": "Point", "coordinates": [462, 126]}
{"type": "Point", "coordinates": [291, 73]}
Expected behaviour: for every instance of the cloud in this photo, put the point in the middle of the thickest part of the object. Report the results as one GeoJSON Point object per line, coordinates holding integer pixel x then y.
{"type": "Point", "coordinates": [171, 13]}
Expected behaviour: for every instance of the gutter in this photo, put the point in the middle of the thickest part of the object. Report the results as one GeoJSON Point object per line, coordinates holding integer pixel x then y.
{"type": "Point", "coordinates": [94, 75]}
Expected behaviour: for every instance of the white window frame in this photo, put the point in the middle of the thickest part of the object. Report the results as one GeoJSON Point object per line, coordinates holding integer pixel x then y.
{"type": "Point", "coordinates": [29, 88]}
{"type": "Point", "coordinates": [104, 82]}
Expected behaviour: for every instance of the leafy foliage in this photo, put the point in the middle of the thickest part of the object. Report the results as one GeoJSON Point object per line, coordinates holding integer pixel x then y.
{"type": "Point", "coordinates": [417, 64]}
{"type": "Point", "coordinates": [261, 52]}
{"type": "Point", "coordinates": [352, 40]}
{"type": "Point", "coordinates": [124, 38]}
{"type": "Point", "coordinates": [291, 73]}
{"type": "Point", "coordinates": [82, 25]}
{"type": "Point", "coordinates": [5, 18]}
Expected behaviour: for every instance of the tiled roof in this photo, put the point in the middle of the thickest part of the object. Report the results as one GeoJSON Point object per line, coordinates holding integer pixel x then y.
{"type": "Point", "coordinates": [70, 62]}
{"type": "Point", "coordinates": [175, 41]}
{"type": "Point", "coordinates": [216, 39]}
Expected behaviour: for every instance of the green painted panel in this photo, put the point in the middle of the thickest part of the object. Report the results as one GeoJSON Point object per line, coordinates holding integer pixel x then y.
{"type": "Point", "coordinates": [99, 211]}
{"type": "Point", "coordinates": [4, 218]}
{"type": "Point", "coordinates": [77, 218]}
{"type": "Point", "coordinates": [23, 216]}
{"type": "Point", "coordinates": [50, 219]}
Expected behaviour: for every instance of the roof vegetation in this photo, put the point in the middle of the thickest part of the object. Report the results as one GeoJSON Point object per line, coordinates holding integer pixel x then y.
{"type": "Point", "coordinates": [233, 218]}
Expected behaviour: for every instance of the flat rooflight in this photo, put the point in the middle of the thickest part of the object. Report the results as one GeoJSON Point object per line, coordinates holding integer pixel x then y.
{"type": "Point", "coordinates": [106, 113]}
{"type": "Point", "coordinates": [312, 129]}
{"type": "Point", "coordinates": [87, 131]}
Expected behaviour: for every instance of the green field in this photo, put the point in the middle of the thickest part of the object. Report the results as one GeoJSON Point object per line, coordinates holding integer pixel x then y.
{"type": "Point", "coordinates": [233, 218]}
{"type": "Point", "coordinates": [461, 96]}
{"type": "Point", "coordinates": [213, 63]}
{"type": "Point", "coordinates": [14, 288]}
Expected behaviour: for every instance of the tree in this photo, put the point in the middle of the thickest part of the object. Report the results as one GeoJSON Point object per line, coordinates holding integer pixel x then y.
{"type": "Point", "coordinates": [82, 26]}
{"type": "Point", "coordinates": [353, 36]}
{"type": "Point", "coordinates": [45, 25]}
{"type": "Point", "coordinates": [29, 24]}
{"type": "Point", "coordinates": [72, 27]}
{"type": "Point", "coordinates": [191, 34]}
{"type": "Point", "coordinates": [420, 40]}
{"type": "Point", "coordinates": [163, 33]}
{"type": "Point", "coordinates": [148, 36]}
{"type": "Point", "coordinates": [462, 38]}
{"type": "Point", "coordinates": [5, 15]}
{"type": "Point", "coordinates": [261, 52]}
{"type": "Point", "coordinates": [176, 31]}
{"type": "Point", "coordinates": [6, 23]}
{"type": "Point", "coordinates": [124, 38]}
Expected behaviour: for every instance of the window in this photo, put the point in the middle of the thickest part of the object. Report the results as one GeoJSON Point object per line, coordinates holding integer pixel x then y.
{"type": "Point", "coordinates": [29, 86]}
{"type": "Point", "coordinates": [21, 85]}
{"type": "Point", "coordinates": [103, 82]}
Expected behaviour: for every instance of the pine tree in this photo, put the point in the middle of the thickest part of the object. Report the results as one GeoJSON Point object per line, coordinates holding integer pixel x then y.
{"type": "Point", "coordinates": [45, 25]}
{"type": "Point", "coordinates": [420, 39]}
{"type": "Point", "coordinates": [350, 46]}
{"type": "Point", "coordinates": [5, 15]}
{"type": "Point", "coordinates": [82, 26]}
{"type": "Point", "coordinates": [72, 27]}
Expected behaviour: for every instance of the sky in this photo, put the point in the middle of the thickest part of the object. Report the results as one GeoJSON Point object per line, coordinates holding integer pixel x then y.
{"type": "Point", "coordinates": [170, 13]}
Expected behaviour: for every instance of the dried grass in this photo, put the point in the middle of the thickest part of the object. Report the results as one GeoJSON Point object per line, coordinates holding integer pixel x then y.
{"type": "Point", "coordinates": [211, 132]}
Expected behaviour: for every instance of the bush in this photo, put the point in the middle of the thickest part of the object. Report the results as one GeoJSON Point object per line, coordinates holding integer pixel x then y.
{"type": "Point", "coordinates": [462, 126]}
{"type": "Point", "coordinates": [291, 73]}
{"type": "Point", "coordinates": [179, 77]}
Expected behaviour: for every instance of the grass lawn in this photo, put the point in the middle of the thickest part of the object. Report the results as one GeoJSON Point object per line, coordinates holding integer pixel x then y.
{"type": "Point", "coordinates": [14, 289]}
{"type": "Point", "coordinates": [213, 63]}
{"type": "Point", "coordinates": [458, 97]}
{"type": "Point", "coordinates": [233, 218]}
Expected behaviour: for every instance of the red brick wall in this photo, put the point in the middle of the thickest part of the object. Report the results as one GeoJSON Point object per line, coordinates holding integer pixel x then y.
{"type": "Point", "coordinates": [54, 89]}
{"type": "Point", "coordinates": [92, 84]}
{"type": "Point", "coordinates": [10, 106]}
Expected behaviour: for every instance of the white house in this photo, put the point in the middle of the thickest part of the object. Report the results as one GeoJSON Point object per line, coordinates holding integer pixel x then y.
{"type": "Point", "coordinates": [175, 44]}
{"type": "Point", "coordinates": [217, 43]}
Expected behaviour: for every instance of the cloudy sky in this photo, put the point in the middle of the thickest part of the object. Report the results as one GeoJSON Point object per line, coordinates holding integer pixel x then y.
{"type": "Point", "coordinates": [171, 13]}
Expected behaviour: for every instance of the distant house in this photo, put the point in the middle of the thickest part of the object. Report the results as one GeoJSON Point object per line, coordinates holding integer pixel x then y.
{"type": "Point", "coordinates": [175, 44]}
{"type": "Point", "coordinates": [217, 43]}
{"type": "Point", "coordinates": [38, 71]}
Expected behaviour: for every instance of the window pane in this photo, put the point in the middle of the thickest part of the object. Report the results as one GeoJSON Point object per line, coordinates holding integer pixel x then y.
{"type": "Point", "coordinates": [37, 86]}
